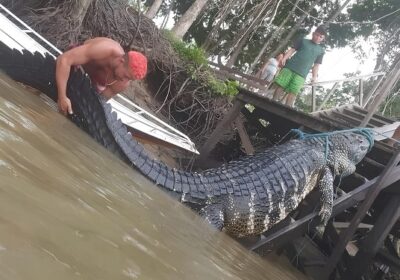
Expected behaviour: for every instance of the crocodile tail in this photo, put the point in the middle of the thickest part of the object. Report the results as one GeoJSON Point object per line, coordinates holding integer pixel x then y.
{"type": "Point", "coordinates": [94, 115]}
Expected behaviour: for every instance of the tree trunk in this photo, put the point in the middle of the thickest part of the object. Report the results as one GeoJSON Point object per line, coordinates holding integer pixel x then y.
{"type": "Point", "coordinates": [271, 38]}
{"type": "Point", "coordinates": [223, 13]}
{"type": "Point", "coordinates": [337, 12]}
{"type": "Point", "coordinates": [384, 51]}
{"type": "Point", "coordinates": [285, 41]}
{"type": "Point", "coordinates": [241, 39]}
{"type": "Point", "coordinates": [153, 10]}
{"type": "Point", "coordinates": [187, 19]}
{"type": "Point", "coordinates": [232, 59]}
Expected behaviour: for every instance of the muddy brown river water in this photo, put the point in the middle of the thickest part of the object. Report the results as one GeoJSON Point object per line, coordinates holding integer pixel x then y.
{"type": "Point", "coordinates": [71, 210]}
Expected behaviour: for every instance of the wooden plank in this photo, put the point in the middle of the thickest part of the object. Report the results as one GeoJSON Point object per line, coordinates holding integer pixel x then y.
{"type": "Point", "coordinates": [353, 121]}
{"type": "Point", "coordinates": [374, 163]}
{"type": "Point", "coordinates": [378, 116]}
{"type": "Point", "coordinates": [373, 121]}
{"type": "Point", "coordinates": [361, 211]}
{"type": "Point", "coordinates": [391, 78]}
{"type": "Point", "coordinates": [313, 98]}
{"type": "Point", "coordinates": [328, 96]}
{"type": "Point", "coordinates": [226, 75]}
{"type": "Point", "coordinates": [347, 79]}
{"type": "Point", "coordinates": [219, 130]}
{"type": "Point", "coordinates": [244, 137]}
{"type": "Point", "coordinates": [373, 90]}
{"type": "Point", "coordinates": [385, 256]}
{"type": "Point", "coordinates": [285, 112]}
{"type": "Point", "coordinates": [361, 92]}
{"type": "Point", "coordinates": [340, 124]}
{"type": "Point", "coordinates": [374, 239]}
{"type": "Point", "coordinates": [233, 71]}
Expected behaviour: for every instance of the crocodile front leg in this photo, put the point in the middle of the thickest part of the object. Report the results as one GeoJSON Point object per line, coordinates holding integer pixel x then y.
{"type": "Point", "coordinates": [214, 214]}
{"type": "Point", "coordinates": [325, 186]}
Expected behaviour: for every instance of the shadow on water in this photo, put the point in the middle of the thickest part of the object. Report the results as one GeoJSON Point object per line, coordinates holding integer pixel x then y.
{"type": "Point", "coordinates": [71, 210]}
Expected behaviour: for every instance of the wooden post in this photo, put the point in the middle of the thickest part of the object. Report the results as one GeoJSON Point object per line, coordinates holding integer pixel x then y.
{"type": "Point", "coordinates": [375, 238]}
{"type": "Point", "coordinates": [244, 137]}
{"type": "Point", "coordinates": [361, 92]}
{"type": "Point", "coordinates": [391, 79]}
{"type": "Point", "coordinates": [361, 211]}
{"type": "Point", "coordinates": [328, 96]}
{"type": "Point", "coordinates": [372, 91]}
{"type": "Point", "coordinates": [313, 105]}
{"type": "Point", "coordinates": [219, 130]}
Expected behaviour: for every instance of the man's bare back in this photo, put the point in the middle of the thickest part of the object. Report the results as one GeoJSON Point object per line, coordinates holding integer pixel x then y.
{"type": "Point", "coordinates": [104, 60]}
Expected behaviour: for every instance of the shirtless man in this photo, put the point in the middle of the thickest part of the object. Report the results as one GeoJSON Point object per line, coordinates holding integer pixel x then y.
{"type": "Point", "coordinates": [108, 66]}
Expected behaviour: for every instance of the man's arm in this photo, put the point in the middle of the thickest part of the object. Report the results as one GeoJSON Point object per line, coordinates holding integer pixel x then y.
{"type": "Point", "coordinates": [287, 55]}
{"type": "Point", "coordinates": [314, 72]}
{"type": "Point", "coordinates": [296, 46]}
{"type": "Point", "coordinates": [78, 56]}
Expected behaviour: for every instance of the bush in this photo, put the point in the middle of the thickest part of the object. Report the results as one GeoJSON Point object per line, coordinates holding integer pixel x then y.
{"type": "Point", "coordinates": [196, 65]}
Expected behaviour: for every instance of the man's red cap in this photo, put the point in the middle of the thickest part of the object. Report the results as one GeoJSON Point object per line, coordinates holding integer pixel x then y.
{"type": "Point", "coordinates": [138, 64]}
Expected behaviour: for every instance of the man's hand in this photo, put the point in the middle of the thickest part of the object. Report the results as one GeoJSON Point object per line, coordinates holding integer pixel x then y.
{"type": "Point", "coordinates": [64, 106]}
{"type": "Point", "coordinates": [314, 80]}
{"type": "Point", "coordinates": [282, 62]}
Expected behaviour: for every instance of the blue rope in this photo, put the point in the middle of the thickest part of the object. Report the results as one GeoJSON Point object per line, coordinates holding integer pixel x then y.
{"type": "Point", "coordinates": [367, 132]}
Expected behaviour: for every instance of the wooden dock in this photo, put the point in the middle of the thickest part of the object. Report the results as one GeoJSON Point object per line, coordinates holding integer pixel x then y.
{"type": "Point", "coordinates": [371, 195]}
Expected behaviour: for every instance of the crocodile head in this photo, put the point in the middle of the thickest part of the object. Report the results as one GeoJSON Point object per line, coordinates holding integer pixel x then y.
{"type": "Point", "coordinates": [346, 150]}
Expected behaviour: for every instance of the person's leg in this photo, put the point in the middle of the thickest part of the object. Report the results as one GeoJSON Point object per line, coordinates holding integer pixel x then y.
{"type": "Point", "coordinates": [294, 88]}
{"type": "Point", "coordinates": [290, 99]}
{"type": "Point", "coordinates": [281, 82]}
{"type": "Point", "coordinates": [279, 94]}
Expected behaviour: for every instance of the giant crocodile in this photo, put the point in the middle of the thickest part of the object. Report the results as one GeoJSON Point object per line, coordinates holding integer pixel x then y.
{"type": "Point", "coordinates": [244, 197]}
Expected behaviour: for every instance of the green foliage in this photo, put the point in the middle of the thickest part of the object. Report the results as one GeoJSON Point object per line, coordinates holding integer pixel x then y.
{"type": "Point", "coordinates": [391, 106]}
{"type": "Point", "coordinates": [196, 65]}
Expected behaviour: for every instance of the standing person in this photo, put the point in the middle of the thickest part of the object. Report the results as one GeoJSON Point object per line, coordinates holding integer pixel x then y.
{"type": "Point", "coordinates": [110, 69]}
{"type": "Point", "coordinates": [307, 54]}
{"type": "Point", "coordinates": [270, 68]}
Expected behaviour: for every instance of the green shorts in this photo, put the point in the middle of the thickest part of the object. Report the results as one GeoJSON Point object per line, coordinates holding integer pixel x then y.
{"type": "Point", "coordinates": [290, 81]}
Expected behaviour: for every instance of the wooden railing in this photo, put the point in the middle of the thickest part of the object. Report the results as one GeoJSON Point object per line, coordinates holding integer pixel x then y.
{"type": "Point", "coordinates": [362, 101]}
{"type": "Point", "coordinates": [259, 85]}
{"type": "Point", "coordinates": [246, 81]}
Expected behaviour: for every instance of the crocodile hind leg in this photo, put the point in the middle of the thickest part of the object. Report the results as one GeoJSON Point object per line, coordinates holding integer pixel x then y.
{"type": "Point", "coordinates": [214, 214]}
{"type": "Point", "coordinates": [325, 186]}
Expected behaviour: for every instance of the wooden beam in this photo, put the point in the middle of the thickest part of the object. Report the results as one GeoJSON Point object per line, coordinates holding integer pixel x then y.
{"type": "Point", "coordinates": [360, 116]}
{"type": "Point", "coordinates": [373, 90]}
{"type": "Point", "coordinates": [244, 137]}
{"type": "Point", "coordinates": [233, 71]}
{"type": "Point", "coordinates": [313, 99]}
{"type": "Point", "coordinates": [226, 75]}
{"type": "Point", "coordinates": [331, 91]}
{"type": "Point", "coordinates": [385, 88]}
{"type": "Point", "coordinates": [219, 130]}
{"type": "Point", "coordinates": [378, 117]}
{"type": "Point", "coordinates": [375, 239]}
{"type": "Point", "coordinates": [284, 111]}
{"type": "Point", "coordinates": [361, 91]}
{"type": "Point", "coordinates": [361, 211]}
